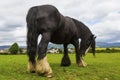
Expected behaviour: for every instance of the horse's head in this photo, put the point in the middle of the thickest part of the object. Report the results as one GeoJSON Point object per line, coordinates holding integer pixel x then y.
{"type": "Point", "coordinates": [86, 44]}
{"type": "Point", "coordinates": [93, 44]}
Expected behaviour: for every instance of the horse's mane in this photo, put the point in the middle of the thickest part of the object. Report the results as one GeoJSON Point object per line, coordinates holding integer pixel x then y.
{"type": "Point", "coordinates": [83, 29]}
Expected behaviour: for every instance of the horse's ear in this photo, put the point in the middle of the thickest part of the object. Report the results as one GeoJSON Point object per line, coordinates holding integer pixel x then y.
{"type": "Point", "coordinates": [93, 36]}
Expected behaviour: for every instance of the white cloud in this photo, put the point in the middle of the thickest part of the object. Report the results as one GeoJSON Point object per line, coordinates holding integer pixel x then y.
{"type": "Point", "coordinates": [108, 28]}
{"type": "Point", "coordinates": [101, 16]}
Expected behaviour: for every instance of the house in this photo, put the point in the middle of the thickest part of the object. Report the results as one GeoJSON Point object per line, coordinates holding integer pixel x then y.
{"type": "Point", "coordinates": [71, 50]}
{"type": "Point", "coordinates": [53, 50]}
{"type": "Point", "coordinates": [2, 51]}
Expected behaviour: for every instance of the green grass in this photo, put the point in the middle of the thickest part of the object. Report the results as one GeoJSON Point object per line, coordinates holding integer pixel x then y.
{"type": "Point", "coordinates": [103, 67]}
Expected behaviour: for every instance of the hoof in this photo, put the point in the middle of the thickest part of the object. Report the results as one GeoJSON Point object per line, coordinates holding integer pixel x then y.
{"type": "Point", "coordinates": [31, 67]}
{"type": "Point", "coordinates": [43, 68]}
{"type": "Point", "coordinates": [82, 64]}
{"type": "Point", "coordinates": [48, 75]}
{"type": "Point", "coordinates": [65, 61]}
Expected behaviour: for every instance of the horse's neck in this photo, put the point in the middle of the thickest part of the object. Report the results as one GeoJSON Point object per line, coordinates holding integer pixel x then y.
{"type": "Point", "coordinates": [84, 32]}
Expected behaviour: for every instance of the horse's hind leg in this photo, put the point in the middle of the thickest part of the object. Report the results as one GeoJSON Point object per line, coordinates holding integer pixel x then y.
{"type": "Point", "coordinates": [79, 59]}
{"type": "Point", "coordinates": [31, 50]}
{"type": "Point", "coordinates": [42, 65]}
{"type": "Point", "coordinates": [65, 60]}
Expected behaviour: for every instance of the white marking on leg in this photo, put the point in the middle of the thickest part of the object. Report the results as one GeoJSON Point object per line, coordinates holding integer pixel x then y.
{"type": "Point", "coordinates": [87, 50]}
{"type": "Point", "coordinates": [82, 63]}
{"type": "Point", "coordinates": [43, 67]}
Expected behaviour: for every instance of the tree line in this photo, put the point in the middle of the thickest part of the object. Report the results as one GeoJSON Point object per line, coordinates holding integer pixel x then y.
{"type": "Point", "coordinates": [106, 50]}
{"type": "Point", "coordinates": [15, 49]}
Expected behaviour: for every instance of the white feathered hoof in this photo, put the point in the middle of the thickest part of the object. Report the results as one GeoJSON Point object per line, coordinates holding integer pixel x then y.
{"type": "Point", "coordinates": [43, 67]}
{"type": "Point", "coordinates": [82, 64]}
{"type": "Point", "coordinates": [31, 67]}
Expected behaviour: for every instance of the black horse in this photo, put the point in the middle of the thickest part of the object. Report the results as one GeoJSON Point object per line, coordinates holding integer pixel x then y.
{"type": "Point", "coordinates": [56, 28]}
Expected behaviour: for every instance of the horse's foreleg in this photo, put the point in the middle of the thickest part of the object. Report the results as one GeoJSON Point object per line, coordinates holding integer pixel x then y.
{"type": "Point", "coordinates": [31, 50]}
{"type": "Point", "coordinates": [82, 63]}
{"type": "Point", "coordinates": [42, 66]}
{"type": "Point", "coordinates": [79, 59]}
{"type": "Point", "coordinates": [65, 60]}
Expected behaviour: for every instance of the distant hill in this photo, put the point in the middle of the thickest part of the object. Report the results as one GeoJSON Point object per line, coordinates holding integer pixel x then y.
{"type": "Point", "coordinates": [103, 44]}
{"type": "Point", "coordinates": [4, 47]}
{"type": "Point", "coordinates": [98, 44]}
{"type": "Point", "coordinates": [59, 46]}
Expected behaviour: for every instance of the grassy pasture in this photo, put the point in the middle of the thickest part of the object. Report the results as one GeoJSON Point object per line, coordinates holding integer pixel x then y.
{"type": "Point", "coordinates": [103, 67]}
{"type": "Point", "coordinates": [116, 48]}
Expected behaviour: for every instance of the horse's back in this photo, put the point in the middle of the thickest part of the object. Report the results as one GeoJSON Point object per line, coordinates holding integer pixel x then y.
{"type": "Point", "coordinates": [40, 11]}
{"type": "Point", "coordinates": [66, 33]}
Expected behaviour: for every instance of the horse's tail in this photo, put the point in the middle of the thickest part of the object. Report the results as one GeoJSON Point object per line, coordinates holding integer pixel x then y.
{"type": "Point", "coordinates": [31, 31]}
{"type": "Point", "coordinates": [31, 17]}
{"type": "Point", "coordinates": [93, 45]}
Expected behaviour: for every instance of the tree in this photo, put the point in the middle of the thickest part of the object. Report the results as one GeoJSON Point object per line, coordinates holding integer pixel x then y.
{"type": "Point", "coordinates": [14, 48]}
{"type": "Point", "coordinates": [20, 50]}
{"type": "Point", "coordinates": [108, 50]}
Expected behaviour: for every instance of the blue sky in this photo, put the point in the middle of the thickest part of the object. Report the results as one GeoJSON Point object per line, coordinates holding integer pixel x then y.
{"type": "Point", "coordinates": [101, 16]}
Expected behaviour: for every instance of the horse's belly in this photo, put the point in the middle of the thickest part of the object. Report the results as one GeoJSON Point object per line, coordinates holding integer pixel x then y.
{"type": "Point", "coordinates": [60, 39]}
